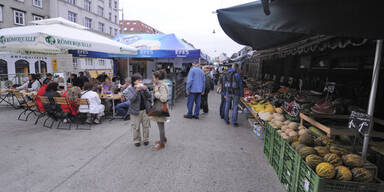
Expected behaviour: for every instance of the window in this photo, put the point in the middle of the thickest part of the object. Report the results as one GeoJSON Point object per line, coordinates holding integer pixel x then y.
{"type": "Point", "coordinates": [116, 32]}
{"type": "Point", "coordinates": [128, 23]}
{"type": "Point", "coordinates": [37, 3]}
{"type": "Point", "coordinates": [71, 1]}
{"type": "Point", "coordinates": [37, 18]}
{"type": "Point", "coordinates": [87, 5]}
{"type": "Point", "coordinates": [116, 19]}
{"type": "Point", "coordinates": [18, 17]}
{"type": "Point", "coordinates": [132, 28]}
{"type": "Point", "coordinates": [72, 16]}
{"type": "Point", "coordinates": [101, 27]}
{"type": "Point", "coordinates": [116, 6]}
{"type": "Point", "coordinates": [1, 13]}
{"type": "Point", "coordinates": [110, 16]}
{"type": "Point", "coordinates": [21, 1]}
{"type": "Point", "coordinates": [88, 22]}
{"type": "Point", "coordinates": [110, 31]}
{"type": "Point", "coordinates": [110, 3]}
{"type": "Point", "coordinates": [100, 11]}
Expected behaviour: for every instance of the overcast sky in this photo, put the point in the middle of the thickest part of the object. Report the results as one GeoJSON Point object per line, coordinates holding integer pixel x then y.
{"type": "Point", "coordinates": [189, 19]}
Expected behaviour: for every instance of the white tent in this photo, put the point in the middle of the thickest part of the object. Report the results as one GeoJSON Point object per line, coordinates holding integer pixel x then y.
{"type": "Point", "coordinates": [58, 35]}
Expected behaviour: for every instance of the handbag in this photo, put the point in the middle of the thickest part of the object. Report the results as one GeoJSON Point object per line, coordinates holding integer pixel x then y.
{"type": "Point", "coordinates": [159, 109]}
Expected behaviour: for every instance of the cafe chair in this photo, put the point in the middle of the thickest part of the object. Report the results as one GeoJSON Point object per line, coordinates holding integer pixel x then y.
{"type": "Point", "coordinates": [27, 104]}
{"type": "Point", "coordinates": [61, 117]}
{"type": "Point", "coordinates": [46, 101]}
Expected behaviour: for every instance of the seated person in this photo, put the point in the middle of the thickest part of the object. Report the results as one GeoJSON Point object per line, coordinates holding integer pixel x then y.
{"type": "Point", "coordinates": [41, 92]}
{"type": "Point", "coordinates": [31, 85]}
{"type": "Point", "coordinates": [53, 109]}
{"type": "Point", "coordinates": [72, 95]}
{"type": "Point", "coordinates": [74, 80]}
{"type": "Point", "coordinates": [95, 109]}
{"type": "Point", "coordinates": [48, 78]}
{"type": "Point", "coordinates": [123, 107]}
{"type": "Point", "coordinates": [107, 89]}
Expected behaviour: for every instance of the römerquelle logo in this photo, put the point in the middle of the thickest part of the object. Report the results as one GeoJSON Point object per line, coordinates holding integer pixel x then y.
{"type": "Point", "coordinates": [59, 41]}
{"type": "Point", "coordinates": [4, 39]}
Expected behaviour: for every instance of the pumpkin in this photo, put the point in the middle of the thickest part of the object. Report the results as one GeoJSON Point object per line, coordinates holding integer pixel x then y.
{"type": "Point", "coordinates": [299, 146]}
{"type": "Point", "coordinates": [292, 125]}
{"type": "Point", "coordinates": [292, 139]}
{"type": "Point", "coordinates": [333, 159]}
{"type": "Point", "coordinates": [313, 160]}
{"type": "Point", "coordinates": [306, 139]}
{"type": "Point", "coordinates": [353, 160]}
{"type": "Point", "coordinates": [303, 131]}
{"type": "Point", "coordinates": [343, 173]}
{"type": "Point", "coordinates": [292, 133]}
{"type": "Point", "coordinates": [294, 144]}
{"type": "Point", "coordinates": [338, 150]}
{"type": "Point", "coordinates": [361, 175]}
{"type": "Point", "coordinates": [305, 151]}
{"type": "Point", "coordinates": [322, 141]}
{"type": "Point", "coordinates": [322, 151]}
{"type": "Point", "coordinates": [301, 127]}
{"type": "Point", "coordinates": [284, 127]}
{"type": "Point", "coordinates": [286, 122]}
{"type": "Point", "coordinates": [325, 170]}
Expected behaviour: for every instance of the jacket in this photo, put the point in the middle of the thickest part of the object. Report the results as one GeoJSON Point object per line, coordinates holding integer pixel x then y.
{"type": "Point", "coordinates": [196, 80]}
{"type": "Point", "coordinates": [34, 87]}
{"type": "Point", "coordinates": [52, 107]}
{"type": "Point", "coordinates": [208, 81]}
{"type": "Point", "coordinates": [162, 94]}
{"type": "Point", "coordinates": [134, 98]}
{"type": "Point", "coordinates": [95, 106]}
{"type": "Point", "coordinates": [41, 92]}
{"type": "Point", "coordinates": [237, 92]}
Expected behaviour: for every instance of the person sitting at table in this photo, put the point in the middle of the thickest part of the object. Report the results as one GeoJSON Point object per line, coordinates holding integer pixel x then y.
{"type": "Point", "coordinates": [123, 107]}
{"type": "Point", "coordinates": [53, 109]}
{"type": "Point", "coordinates": [74, 80]}
{"type": "Point", "coordinates": [95, 109]}
{"type": "Point", "coordinates": [31, 85]}
{"type": "Point", "coordinates": [107, 88]}
{"type": "Point", "coordinates": [48, 78]}
{"type": "Point", "coordinates": [40, 93]}
{"type": "Point", "coordinates": [72, 95]}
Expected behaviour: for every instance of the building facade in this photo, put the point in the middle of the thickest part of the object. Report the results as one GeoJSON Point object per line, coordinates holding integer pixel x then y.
{"type": "Point", "coordinates": [136, 26]}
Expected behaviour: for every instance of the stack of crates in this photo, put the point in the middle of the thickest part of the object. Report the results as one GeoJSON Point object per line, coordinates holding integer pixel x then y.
{"type": "Point", "coordinates": [297, 176]}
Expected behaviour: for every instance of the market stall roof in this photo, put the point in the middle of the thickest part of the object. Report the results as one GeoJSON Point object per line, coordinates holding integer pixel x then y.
{"type": "Point", "coordinates": [294, 20]}
{"type": "Point", "coordinates": [57, 34]}
{"type": "Point", "coordinates": [160, 46]}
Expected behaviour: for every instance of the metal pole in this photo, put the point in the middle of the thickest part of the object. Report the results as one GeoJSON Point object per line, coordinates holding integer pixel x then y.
{"type": "Point", "coordinates": [372, 96]}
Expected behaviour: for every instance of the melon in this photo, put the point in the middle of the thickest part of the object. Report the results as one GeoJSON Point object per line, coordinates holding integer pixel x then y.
{"type": "Point", "coordinates": [333, 159]}
{"type": "Point", "coordinates": [301, 127]}
{"type": "Point", "coordinates": [286, 122]}
{"type": "Point", "coordinates": [325, 170]}
{"type": "Point", "coordinates": [292, 125]}
{"type": "Point", "coordinates": [292, 133]}
{"type": "Point", "coordinates": [353, 160]}
{"type": "Point", "coordinates": [322, 151]}
{"type": "Point", "coordinates": [338, 150]}
{"type": "Point", "coordinates": [361, 175]}
{"type": "Point", "coordinates": [294, 144]}
{"type": "Point", "coordinates": [299, 146]}
{"type": "Point", "coordinates": [313, 160]}
{"type": "Point", "coordinates": [305, 151]}
{"type": "Point", "coordinates": [322, 141]}
{"type": "Point", "coordinates": [306, 139]}
{"type": "Point", "coordinates": [343, 173]}
{"type": "Point", "coordinates": [303, 131]}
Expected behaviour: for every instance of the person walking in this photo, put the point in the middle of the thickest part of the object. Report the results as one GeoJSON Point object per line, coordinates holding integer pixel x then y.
{"type": "Point", "coordinates": [139, 97]}
{"type": "Point", "coordinates": [195, 88]}
{"type": "Point", "coordinates": [221, 90]}
{"type": "Point", "coordinates": [233, 85]}
{"type": "Point", "coordinates": [208, 86]}
{"type": "Point", "coordinates": [161, 93]}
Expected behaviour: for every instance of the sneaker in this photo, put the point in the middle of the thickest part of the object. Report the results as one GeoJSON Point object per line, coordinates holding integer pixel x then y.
{"type": "Point", "coordinates": [196, 117]}
{"type": "Point", "coordinates": [227, 122]}
{"type": "Point", "coordinates": [88, 121]}
{"type": "Point", "coordinates": [127, 117]}
{"type": "Point", "coordinates": [146, 143]}
{"type": "Point", "coordinates": [97, 121]}
{"type": "Point", "coordinates": [188, 116]}
{"type": "Point", "coordinates": [137, 144]}
{"type": "Point", "coordinates": [235, 124]}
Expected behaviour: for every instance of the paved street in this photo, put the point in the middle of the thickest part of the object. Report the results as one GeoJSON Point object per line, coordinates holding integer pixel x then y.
{"type": "Point", "coordinates": [201, 155]}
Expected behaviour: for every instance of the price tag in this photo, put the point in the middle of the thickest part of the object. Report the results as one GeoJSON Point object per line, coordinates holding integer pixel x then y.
{"type": "Point", "coordinates": [330, 87]}
{"type": "Point", "coordinates": [282, 79]}
{"type": "Point", "coordinates": [290, 81]}
{"type": "Point", "coordinates": [359, 121]}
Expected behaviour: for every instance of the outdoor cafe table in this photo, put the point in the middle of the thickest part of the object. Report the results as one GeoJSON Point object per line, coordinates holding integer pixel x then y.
{"type": "Point", "coordinates": [112, 97]}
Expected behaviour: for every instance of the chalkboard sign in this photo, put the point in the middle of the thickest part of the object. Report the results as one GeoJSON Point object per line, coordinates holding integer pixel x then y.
{"type": "Point", "coordinates": [359, 121]}
{"type": "Point", "coordinates": [330, 87]}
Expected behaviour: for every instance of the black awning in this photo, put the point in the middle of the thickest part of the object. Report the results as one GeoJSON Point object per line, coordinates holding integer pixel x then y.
{"type": "Point", "coordinates": [293, 20]}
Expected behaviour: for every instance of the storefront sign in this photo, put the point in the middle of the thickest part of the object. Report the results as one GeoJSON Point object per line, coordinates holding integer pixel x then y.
{"type": "Point", "coordinates": [4, 39]}
{"type": "Point", "coordinates": [359, 121]}
{"type": "Point", "coordinates": [54, 65]}
{"type": "Point", "coordinates": [60, 41]}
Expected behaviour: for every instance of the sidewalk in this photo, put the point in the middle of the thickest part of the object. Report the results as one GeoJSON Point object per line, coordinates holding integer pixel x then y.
{"type": "Point", "coordinates": [201, 155]}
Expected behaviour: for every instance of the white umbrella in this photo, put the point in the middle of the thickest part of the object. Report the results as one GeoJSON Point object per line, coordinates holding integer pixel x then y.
{"type": "Point", "coordinates": [58, 35]}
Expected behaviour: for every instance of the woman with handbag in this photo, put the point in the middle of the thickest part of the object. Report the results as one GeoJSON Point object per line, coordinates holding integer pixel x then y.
{"type": "Point", "coordinates": [159, 111]}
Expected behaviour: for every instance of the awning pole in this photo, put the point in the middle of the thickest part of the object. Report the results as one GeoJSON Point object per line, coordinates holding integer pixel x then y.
{"type": "Point", "coordinates": [372, 96]}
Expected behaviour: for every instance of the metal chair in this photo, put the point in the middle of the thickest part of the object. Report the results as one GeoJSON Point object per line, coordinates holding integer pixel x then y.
{"type": "Point", "coordinates": [45, 100]}
{"type": "Point", "coordinates": [61, 101]}
{"type": "Point", "coordinates": [77, 118]}
{"type": "Point", "coordinates": [41, 113]}
{"type": "Point", "coordinates": [26, 104]}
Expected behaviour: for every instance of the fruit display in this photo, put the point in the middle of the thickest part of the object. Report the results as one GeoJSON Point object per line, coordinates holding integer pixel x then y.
{"type": "Point", "coordinates": [353, 160]}
{"type": "Point", "coordinates": [343, 173]}
{"type": "Point", "coordinates": [333, 159]}
{"type": "Point", "coordinates": [326, 170]}
{"type": "Point", "coordinates": [361, 175]}
{"type": "Point", "coordinates": [313, 160]}
{"type": "Point", "coordinates": [321, 150]}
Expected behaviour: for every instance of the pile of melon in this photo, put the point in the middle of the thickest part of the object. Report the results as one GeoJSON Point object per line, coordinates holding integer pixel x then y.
{"type": "Point", "coordinates": [329, 161]}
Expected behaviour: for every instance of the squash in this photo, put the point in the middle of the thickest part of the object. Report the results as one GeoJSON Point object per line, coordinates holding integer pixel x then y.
{"type": "Point", "coordinates": [299, 146]}
{"type": "Point", "coordinates": [294, 144]}
{"type": "Point", "coordinates": [325, 170]}
{"type": "Point", "coordinates": [303, 131]}
{"type": "Point", "coordinates": [280, 118]}
{"type": "Point", "coordinates": [333, 159]}
{"type": "Point", "coordinates": [322, 151]}
{"type": "Point", "coordinates": [322, 141]}
{"type": "Point", "coordinates": [313, 160]}
{"type": "Point", "coordinates": [292, 133]}
{"type": "Point", "coordinates": [306, 139]}
{"type": "Point", "coordinates": [338, 150]}
{"type": "Point", "coordinates": [305, 151]}
{"type": "Point", "coordinates": [353, 160]}
{"type": "Point", "coordinates": [343, 173]}
{"type": "Point", "coordinates": [284, 127]}
{"type": "Point", "coordinates": [316, 132]}
{"type": "Point", "coordinates": [292, 125]}
{"type": "Point", "coordinates": [302, 127]}
{"type": "Point", "coordinates": [361, 175]}
{"type": "Point", "coordinates": [286, 122]}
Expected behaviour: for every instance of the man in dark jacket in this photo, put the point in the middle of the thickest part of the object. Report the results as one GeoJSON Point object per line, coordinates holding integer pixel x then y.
{"type": "Point", "coordinates": [208, 85]}
{"type": "Point", "coordinates": [233, 86]}
{"type": "Point", "coordinates": [140, 102]}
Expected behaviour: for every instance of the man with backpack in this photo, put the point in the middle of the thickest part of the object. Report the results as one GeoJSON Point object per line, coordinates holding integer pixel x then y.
{"type": "Point", "coordinates": [233, 85]}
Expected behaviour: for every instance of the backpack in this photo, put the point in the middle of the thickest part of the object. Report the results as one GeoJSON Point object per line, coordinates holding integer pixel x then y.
{"type": "Point", "coordinates": [230, 82]}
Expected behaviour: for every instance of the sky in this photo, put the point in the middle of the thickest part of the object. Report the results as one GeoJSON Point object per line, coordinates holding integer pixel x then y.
{"type": "Point", "coordinates": [191, 20]}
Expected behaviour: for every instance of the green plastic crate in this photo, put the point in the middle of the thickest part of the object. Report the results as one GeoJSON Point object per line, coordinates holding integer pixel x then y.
{"type": "Point", "coordinates": [288, 117]}
{"type": "Point", "coordinates": [290, 165]}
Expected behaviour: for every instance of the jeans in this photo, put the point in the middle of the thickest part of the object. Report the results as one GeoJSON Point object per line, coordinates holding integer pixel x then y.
{"type": "Point", "coordinates": [122, 108]}
{"type": "Point", "coordinates": [194, 98]}
{"type": "Point", "coordinates": [228, 102]}
{"type": "Point", "coordinates": [222, 106]}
